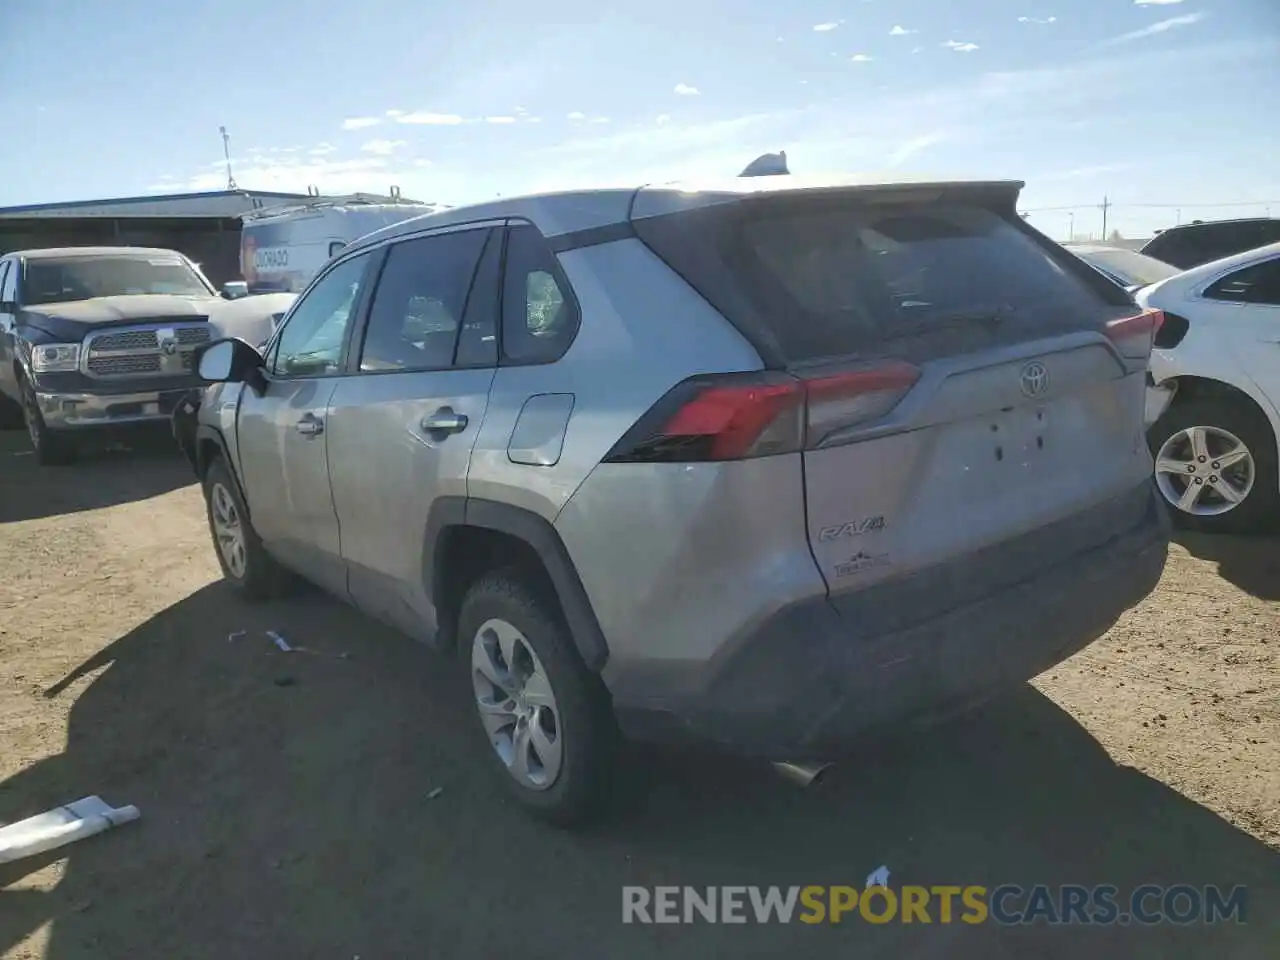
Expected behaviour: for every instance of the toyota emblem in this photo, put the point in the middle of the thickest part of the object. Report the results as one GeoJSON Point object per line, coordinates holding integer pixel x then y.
{"type": "Point", "coordinates": [1035, 379]}
{"type": "Point", "coordinates": [169, 347]}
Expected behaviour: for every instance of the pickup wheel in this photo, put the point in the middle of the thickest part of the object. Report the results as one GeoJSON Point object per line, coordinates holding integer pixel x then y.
{"type": "Point", "coordinates": [51, 448]}
{"type": "Point", "coordinates": [547, 718]}
{"type": "Point", "coordinates": [245, 563]}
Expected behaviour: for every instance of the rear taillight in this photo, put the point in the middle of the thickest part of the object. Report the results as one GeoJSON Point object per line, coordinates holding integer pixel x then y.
{"type": "Point", "coordinates": [738, 416]}
{"type": "Point", "coordinates": [1133, 336]}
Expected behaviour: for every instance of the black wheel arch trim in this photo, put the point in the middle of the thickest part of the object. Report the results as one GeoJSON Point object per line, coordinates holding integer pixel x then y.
{"type": "Point", "coordinates": [534, 530]}
{"type": "Point", "coordinates": [205, 432]}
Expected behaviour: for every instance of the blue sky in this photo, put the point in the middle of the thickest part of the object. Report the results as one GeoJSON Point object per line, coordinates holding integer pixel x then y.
{"type": "Point", "coordinates": [1149, 102]}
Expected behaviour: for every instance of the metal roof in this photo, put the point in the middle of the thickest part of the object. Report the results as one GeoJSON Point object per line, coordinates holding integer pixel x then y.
{"type": "Point", "coordinates": [213, 203]}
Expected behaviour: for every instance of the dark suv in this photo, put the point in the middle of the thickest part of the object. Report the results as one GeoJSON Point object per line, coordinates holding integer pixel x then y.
{"type": "Point", "coordinates": [1192, 244]}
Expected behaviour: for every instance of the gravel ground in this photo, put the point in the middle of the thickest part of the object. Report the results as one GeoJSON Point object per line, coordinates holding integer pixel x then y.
{"type": "Point", "coordinates": [285, 796]}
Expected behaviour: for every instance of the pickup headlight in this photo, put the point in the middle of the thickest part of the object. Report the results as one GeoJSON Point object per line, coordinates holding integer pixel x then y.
{"type": "Point", "coordinates": [55, 357]}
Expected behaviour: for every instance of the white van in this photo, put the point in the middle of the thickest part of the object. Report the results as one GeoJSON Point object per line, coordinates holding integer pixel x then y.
{"type": "Point", "coordinates": [282, 248]}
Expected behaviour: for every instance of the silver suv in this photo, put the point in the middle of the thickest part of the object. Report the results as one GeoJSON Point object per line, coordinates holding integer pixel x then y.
{"type": "Point", "coordinates": [771, 464]}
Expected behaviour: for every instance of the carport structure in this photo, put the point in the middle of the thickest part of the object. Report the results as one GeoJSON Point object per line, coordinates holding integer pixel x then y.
{"type": "Point", "coordinates": [204, 226]}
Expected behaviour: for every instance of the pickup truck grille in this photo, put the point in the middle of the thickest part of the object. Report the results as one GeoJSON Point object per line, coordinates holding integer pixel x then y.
{"type": "Point", "coordinates": [159, 349]}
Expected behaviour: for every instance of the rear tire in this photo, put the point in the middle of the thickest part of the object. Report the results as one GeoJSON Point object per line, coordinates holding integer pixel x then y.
{"type": "Point", "coordinates": [560, 718]}
{"type": "Point", "coordinates": [1220, 423]}
{"type": "Point", "coordinates": [245, 563]}
{"type": "Point", "coordinates": [52, 449]}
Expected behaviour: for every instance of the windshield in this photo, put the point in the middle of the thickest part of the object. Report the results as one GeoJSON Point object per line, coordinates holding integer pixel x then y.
{"type": "Point", "coordinates": [1133, 268]}
{"type": "Point", "coordinates": [82, 278]}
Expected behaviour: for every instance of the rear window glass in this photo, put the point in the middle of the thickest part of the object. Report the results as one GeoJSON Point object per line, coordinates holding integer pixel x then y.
{"type": "Point", "coordinates": [911, 280]}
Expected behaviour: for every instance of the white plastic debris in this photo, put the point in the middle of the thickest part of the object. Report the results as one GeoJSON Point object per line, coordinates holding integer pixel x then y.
{"type": "Point", "coordinates": [879, 877]}
{"type": "Point", "coordinates": [279, 641]}
{"type": "Point", "coordinates": [435, 793]}
{"type": "Point", "coordinates": [60, 826]}
{"type": "Point", "coordinates": [238, 634]}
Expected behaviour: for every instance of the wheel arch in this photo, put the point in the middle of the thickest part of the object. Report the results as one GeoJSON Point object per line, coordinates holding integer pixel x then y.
{"type": "Point", "coordinates": [467, 536]}
{"type": "Point", "coordinates": [210, 445]}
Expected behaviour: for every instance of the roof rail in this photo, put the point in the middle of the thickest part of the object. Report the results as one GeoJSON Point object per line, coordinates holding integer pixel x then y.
{"type": "Point", "coordinates": [316, 202]}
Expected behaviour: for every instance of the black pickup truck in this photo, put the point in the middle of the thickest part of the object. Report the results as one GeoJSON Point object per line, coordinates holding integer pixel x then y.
{"type": "Point", "coordinates": [97, 338]}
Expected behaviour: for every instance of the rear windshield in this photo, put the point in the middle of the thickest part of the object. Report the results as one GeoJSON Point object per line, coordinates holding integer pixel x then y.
{"type": "Point", "coordinates": [907, 279]}
{"type": "Point", "coordinates": [83, 278]}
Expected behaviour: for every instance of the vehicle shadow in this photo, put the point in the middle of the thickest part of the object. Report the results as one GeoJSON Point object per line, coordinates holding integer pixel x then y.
{"type": "Point", "coordinates": [144, 465]}
{"type": "Point", "coordinates": [1251, 563]}
{"type": "Point", "coordinates": [288, 810]}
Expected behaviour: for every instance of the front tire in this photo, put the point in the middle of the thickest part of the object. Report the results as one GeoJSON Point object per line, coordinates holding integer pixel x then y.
{"type": "Point", "coordinates": [1215, 465]}
{"type": "Point", "coordinates": [245, 563]}
{"type": "Point", "coordinates": [547, 718]}
{"type": "Point", "coordinates": [51, 448]}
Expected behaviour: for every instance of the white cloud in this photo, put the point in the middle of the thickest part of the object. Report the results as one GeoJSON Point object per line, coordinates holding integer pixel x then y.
{"type": "Point", "coordinates": [916, 49]}
{"type": "Point", "coordinates": [860, 58]}
{"type": "Point", "coordinates": [1045, 19]}
{"type": "Point", "coordinates": [320, 149]}
{"type": "Point", "coordinates": [577, 116]}
{"type": "Point", "coordinates": [359, 123]}
{"type": "Point", "coordinates": [1156, 3]}
{"type": "Point", "coordinates": [663, 118]}
{"type": "Point", "coordinates": [899, 31]}
{"type": "Point", "coordinates": [959, 47]}
{"type": "Point", "coordinates": [519, 110]}
{"type": "Point", "coordinates": [499, 119]}
{"type": "Point", "coordinates": [825, 27]}
{"type": "Point", "coordinates": [532, 119]}
{"type": "Point", "coordinates": [684, 90]}
{"type": "Point", "coordinates": [600, 120]}
{"type": "Point", "coordinates": [382, 148]}
{"type": "Point", "coordinates": [395, 113]}
{"type": "Point", "coordinates": [913, 146]}
{"type": "Point", "coordinates": [422, 162]}
{"type": "Point", "coordinates": [778, 40]}
{"type": "Point", "coordinates": [1161, 26]}
{"type": "Point", "coordinates": [431, 119]}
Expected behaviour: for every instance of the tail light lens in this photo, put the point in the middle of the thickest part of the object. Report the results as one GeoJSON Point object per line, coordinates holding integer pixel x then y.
{"type": "Point", "coordinates": [1133, 336]}
{"type": "Point", "coordinates": [738, 416]}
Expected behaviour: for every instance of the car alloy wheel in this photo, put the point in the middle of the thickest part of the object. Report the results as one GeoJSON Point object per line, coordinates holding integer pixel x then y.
{"type": "Point", "coordinates": [228, 530]}
{"type": "Point", "coordinates": [1204, 471]}
{"type": "Point", "coordinates": [517, 705]}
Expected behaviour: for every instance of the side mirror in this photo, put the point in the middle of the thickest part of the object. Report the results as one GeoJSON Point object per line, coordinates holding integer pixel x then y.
{"type": "Point", "coordinates": [235, 289]}
{"type": "Point", "coordinates": [229, 361]}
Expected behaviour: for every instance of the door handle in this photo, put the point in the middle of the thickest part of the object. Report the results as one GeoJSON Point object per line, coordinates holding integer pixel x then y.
{"type": "Point", "coordinates": [310, 425]}
{"type": "Point", "coordinates": [444, 420]}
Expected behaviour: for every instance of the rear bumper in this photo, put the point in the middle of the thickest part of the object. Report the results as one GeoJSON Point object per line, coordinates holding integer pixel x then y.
{"type": "Point", "coordinates": [814, 677]}
{"type": "Point", "coordinates": [80, 411]}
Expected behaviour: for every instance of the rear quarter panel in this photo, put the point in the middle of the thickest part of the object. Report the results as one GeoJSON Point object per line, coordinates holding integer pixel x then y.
{"type": "Point", "coordinates": [643, 330]}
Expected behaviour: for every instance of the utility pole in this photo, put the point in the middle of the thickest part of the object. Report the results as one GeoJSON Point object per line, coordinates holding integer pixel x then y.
{"type": "Point", "coordinates": [1071, 229]}
{"type": "Point", "coordinates": [1106, 204]}
{"type": "Point", "coordinates": [226, 152]}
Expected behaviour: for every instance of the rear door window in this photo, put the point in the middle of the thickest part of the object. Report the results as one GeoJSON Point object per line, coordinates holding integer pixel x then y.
{"type": "Point", "coordinates": [1259, 283]}
{"type": "Point", "coordinates": [914, 280]}
{"type": "Point", "coordinates": [419, 301]}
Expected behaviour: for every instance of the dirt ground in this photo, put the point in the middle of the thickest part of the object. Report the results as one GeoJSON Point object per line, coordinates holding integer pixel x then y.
{"type": "Point", "coordinates": [284, 797]}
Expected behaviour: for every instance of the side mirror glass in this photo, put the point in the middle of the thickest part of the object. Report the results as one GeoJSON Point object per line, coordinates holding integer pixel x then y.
{"type": "Point", "coordinates": [228, 361]}
{"type": "Point", "coordinates": [235, 289]}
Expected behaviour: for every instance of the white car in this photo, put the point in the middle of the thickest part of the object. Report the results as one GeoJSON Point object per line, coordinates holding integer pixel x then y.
{"type": "Point", "coordinates": [1218, 350]}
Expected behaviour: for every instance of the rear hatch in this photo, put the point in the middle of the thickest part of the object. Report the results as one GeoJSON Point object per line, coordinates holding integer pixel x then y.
{"type": "Point", "coordinates": [964, 382]}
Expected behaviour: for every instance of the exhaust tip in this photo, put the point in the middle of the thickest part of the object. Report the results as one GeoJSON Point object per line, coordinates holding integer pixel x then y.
{"type": "Point", "coordinates": [801, 774]}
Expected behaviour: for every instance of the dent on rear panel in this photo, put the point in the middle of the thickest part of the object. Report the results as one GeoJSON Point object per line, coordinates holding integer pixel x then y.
{"type": "Point", "coordinates": [538, 436]}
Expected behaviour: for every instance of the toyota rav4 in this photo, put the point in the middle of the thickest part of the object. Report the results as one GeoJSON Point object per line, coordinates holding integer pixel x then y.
{"type": "Point", "coordinates": [772, 464]}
